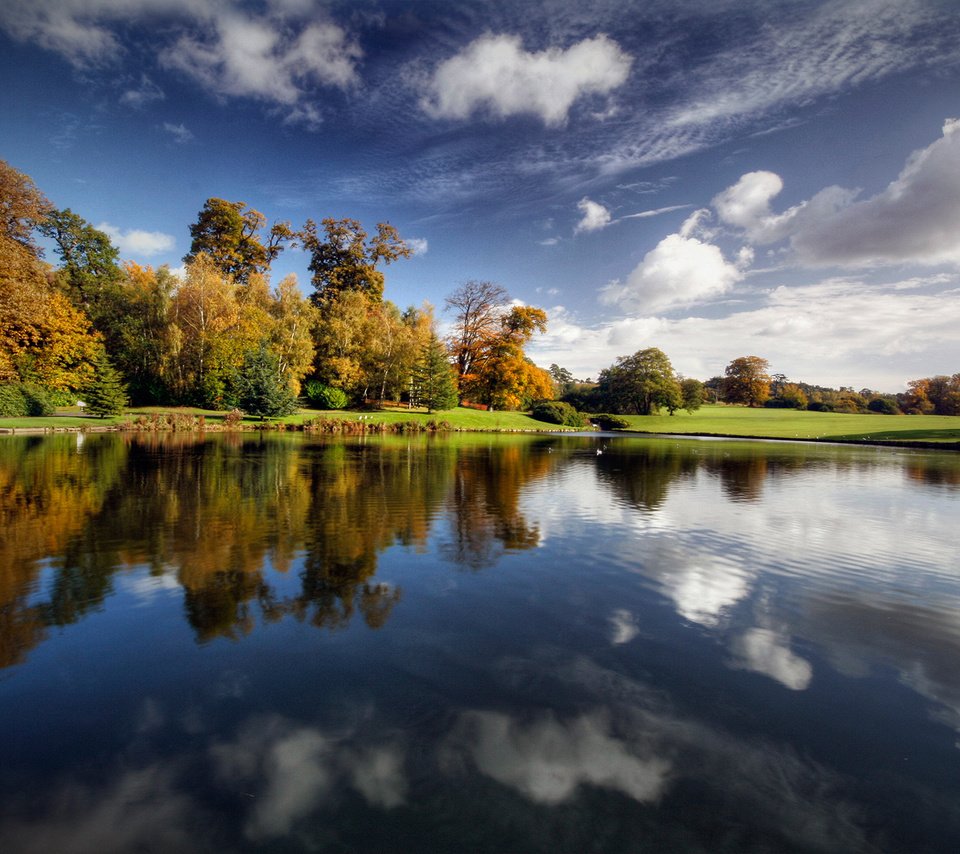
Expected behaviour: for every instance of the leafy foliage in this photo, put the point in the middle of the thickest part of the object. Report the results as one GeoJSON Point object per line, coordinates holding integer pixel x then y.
{"type": "Point", "coordinates": [640, 384]}
{"type": "Point", "coordinates": [558, 412]}
{"type": "Point", "coordinates": [747, 381]}
{"type": "Point", "coordinates": [326, 397]}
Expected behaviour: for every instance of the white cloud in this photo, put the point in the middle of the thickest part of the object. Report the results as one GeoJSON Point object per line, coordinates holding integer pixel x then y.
{"type": "Point", "coordinates": [916, 219]}
{"type": "Point", "coordinates": [248, 57]}
{"type": "Point", "coordinates": [181, 134]}
{"type": "Point", "coordinates": [680, 270]}
{"type": "Point", "coordinates": [418, 245]}
{"type": "Point", "coordinates": [595, 216]}
{"type": "Point", "coordinates": [494, 72]}
{"type": "Point", "coordinates": [137, 242]}
{"type": "Point", "coordinates": [623, 626]}
{"type": "Point", "coordinates": [837, 332]}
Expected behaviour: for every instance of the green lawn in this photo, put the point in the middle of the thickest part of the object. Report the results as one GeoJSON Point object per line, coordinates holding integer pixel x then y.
{"type": "Point", "coordinates": [794, 424]}
{"type": "Point", "coordinates": [715, 420]}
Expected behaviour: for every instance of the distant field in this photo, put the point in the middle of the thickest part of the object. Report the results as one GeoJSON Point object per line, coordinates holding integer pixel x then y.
{"type": "Point", "coordinates": [794, 424]}
{"type": "Point", "coordinates": [717, 420]}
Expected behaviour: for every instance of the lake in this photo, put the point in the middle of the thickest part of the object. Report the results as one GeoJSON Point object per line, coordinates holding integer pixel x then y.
{"type": "Point", "coordinates": [477, 643]}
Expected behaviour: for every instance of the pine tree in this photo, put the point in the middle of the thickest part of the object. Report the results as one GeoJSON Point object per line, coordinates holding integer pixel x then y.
{"type": "Point", "coordinates": [434, 384]}
{"type": "Point", "coordinates": [105, 394]}
{"type": "Point", "coordinates": [261, 389]}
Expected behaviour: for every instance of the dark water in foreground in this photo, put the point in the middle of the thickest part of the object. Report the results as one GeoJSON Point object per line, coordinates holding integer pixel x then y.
{"type": "Point", "coordinates": [490, 644]}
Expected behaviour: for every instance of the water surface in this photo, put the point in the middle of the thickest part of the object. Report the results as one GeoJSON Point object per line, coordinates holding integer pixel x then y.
{"type": "Point", "coordinates": [486, 643]}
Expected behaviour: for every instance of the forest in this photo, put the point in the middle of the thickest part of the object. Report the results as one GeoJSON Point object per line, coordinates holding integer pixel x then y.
{"type": "Point", "coordinates": [222, 336]}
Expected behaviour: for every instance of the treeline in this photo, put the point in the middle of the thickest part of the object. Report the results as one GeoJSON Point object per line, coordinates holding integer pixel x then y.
{"type": "Point", "coordinates": [221, 336]}
{"type": "Point", "coordinates": [645, 383]}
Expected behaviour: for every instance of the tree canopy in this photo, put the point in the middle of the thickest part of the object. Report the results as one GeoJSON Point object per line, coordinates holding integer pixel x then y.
{"type": "Point", "coordinates": [747, 381]}
{"type": "Point", "coordinates": [640, 384]}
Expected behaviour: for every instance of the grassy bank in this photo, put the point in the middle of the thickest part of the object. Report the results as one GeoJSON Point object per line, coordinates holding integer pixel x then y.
{"type": "Point", "coordinates": [720, 420]}
{"type": "Point", "coordinates": [716, 420]}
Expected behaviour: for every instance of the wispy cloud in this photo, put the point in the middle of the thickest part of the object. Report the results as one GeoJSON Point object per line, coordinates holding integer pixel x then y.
{"type": "Point", "coordinates": [144, 92]}
{"type": "Point", "coordinates": [180, 133]}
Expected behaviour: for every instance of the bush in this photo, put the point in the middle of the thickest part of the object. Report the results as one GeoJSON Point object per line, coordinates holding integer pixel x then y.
{"type": "Point", "coordinates": [24, 399]}
{"type": "Point", "coordinates": [609, 422]}
{"type": "Point", "coordinates": [819, 406]}
{"type": "Point", "coordinates": [558, 412]}
{"type": "Point", "coordinates": [324, 396]}
{"type": "Point", "coordinates": [12, 402]}
{"type": "Point", "coordinates": [884, 406]}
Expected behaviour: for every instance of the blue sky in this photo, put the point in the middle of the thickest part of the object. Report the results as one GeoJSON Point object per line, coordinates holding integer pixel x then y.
{"type": "Point", "coordinates": [716, 178]}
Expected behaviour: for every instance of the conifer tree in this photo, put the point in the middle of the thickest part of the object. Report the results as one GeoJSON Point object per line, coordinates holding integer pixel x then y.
{"type": "Point", "coordinates": [261, 388]}
{"type": "Point", "coordinates": [105, 394]}
{"type": "Point", "coordinates": [434, 384]}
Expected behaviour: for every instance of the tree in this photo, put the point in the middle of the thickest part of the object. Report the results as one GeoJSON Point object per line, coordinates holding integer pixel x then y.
{"type": "Point", "coordinates": [343, 259]}
{"type": "Point", "coordinates": [747, 381]}
{"type": "Point", "coordinates": [261, 388]}
{"type": "Point", "coordinates": [692, 393]}
{"type": "Point", "coordinates": [641, 384]}
{"type": "Point", "coordinates": [479, 307]}
{"type": "Point", "coordinates": [563, 380]}
{"type": "Point", "coordinates": [105, 395]}
{"type": "Point", "coordinates": [291, 337]}
{"type": "Point", "coordinates": [90, 260]}
{"type": "Point", "coordinates": [229, 233]}
{"type": "Point", "coordinates": [434, 384]}
{"type": "Point", "coordinates": [937, 395]}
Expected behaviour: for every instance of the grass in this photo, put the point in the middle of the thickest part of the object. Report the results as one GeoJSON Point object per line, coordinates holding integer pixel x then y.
{"type": "Point", "coordinates": [716, 420]}
{"type": "Point", "coordinates": [720, 420]}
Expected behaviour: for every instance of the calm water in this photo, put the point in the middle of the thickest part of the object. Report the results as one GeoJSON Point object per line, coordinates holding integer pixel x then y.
{"type": "Point", "coordinates": [491, 644]}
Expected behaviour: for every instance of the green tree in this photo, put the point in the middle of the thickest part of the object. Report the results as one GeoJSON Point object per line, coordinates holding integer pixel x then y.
{"type": "Point", "coordinates": [747, 380]}
{"type": "Point", "coordinates": [563, 380]}
{"type": "Point", "coordinates": [261, 389]}
{"type": "Point", "coordinates": [640, 384]}
{"type": "Point", "coordinates": [434, 383]}
{"type": "Point", "coordinates": [105, 395]}
{"type": "Point", "coordinates": [343, 259]}
{"type": "Point", "coordinates": [229, 233]}
{"type": "Point", "coordinates": [692, 392]}
{"type": "Point", "coordinates": [90, 261]}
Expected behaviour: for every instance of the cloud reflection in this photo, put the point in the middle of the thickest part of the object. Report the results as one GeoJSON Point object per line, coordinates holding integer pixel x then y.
{"type": "Point", "coordinates": [764, 651]}
{"type": "Point", "coordinates": [548, 760]}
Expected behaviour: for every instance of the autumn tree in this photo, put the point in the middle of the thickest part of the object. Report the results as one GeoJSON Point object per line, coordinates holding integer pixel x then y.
{"type": "Point", "coordinates": [342, 258]}
{"type": "Point", "coordinates": [230, 234]}
{"type": "Point", "coordinates": [478, 308]}
{"type": "Point", "coordinates": [747, 381]}
{"type": "Point", "coordinates": [640, 384]}
{"type": "Point", "coordinates": [291, 335]}
{"type": "Point", "coordinates": [937, 395]}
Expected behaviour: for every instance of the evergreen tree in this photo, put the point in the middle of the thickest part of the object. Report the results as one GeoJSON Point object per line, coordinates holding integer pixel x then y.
{"type": "Point", "coordinates": [106, 394]}
{"type": "Point", "coordinates": [433, 378]}
{"type": "Point", "coordinates": [261, 388]}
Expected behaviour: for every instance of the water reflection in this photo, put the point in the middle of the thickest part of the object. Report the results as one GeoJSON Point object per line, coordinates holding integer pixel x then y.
{"type": "Point", "coordinates": [258, 642]}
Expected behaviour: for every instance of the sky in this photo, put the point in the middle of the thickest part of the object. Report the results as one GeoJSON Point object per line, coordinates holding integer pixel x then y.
{"type": "Point", "coordinates": [716, 178]}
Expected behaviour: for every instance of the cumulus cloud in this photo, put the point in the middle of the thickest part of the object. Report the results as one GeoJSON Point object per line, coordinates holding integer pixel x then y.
{"type": "Point", "coordinates": [826, 333]}
{"type": "Point", "coordinates": [680, 270]}
{"type": "Point", "coordinates": [495, 73]}
{"type": "Point", "coordinates": [137, 242]}
{"type": "Point", "coordinates": [915, 219]}
{"type": "Point", "coordinates": [247, 57]}
{"type": "Point", "coordinates": [594, 216]}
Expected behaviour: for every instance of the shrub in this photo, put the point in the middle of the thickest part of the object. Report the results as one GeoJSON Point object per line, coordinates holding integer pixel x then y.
{"type": "Point", "coordinates": [609, 422]}
{"type": "Point", "coordinates": [558, 412]}
{"type": "Point", "coordinates": [12, 402]}
{"type": "Point", "coordinates": [38, 400]}
{"type": "Point", "coordinates": [324, 396]}
{"type": "Point", "coordinates": [819, 406]}
{"type": "Point", "coordinates": [884, 406]}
